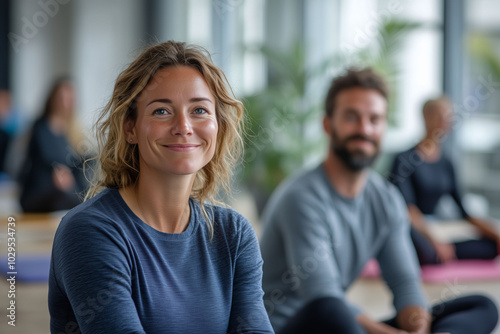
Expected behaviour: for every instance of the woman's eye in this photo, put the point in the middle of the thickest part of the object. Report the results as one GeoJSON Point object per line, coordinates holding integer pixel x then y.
{"type": "Point", "coordinates": [160, 112]}
{"type": "Point", "coordinates": [200, 111]}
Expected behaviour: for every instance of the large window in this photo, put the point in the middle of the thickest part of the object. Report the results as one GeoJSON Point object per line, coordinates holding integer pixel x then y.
{"type": "Point", "coordinates": [478, 133]}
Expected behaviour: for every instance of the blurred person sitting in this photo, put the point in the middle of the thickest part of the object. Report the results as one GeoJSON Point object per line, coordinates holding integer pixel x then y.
{"type": "Point", "coordinates": [323, 225]}
{"type": "Point", "coordinates": [52, 178]}
{"type": "Point", "coordinates": [5, 137]}
{"type": "Point", "coordinates": [424, 175]}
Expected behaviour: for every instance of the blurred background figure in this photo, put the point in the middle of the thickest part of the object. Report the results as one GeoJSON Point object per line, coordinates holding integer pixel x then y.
{"type": "Point", "coordinates": [52, 175]}
{"type": "Point", "coordinates": [5, 137]}
{"type": "Point", "coordinates": [424, 175]}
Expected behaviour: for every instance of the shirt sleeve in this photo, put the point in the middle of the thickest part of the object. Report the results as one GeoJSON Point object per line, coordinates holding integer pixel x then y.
{"type": "Point", "coordinates": [313, 269]}
{"type": "Point", "coordinates": [248, 314]}
{"type": "Point", "coordinates": [90, 267]}
{"type": "Point", "coordinates": [401, 177]}
{"type": "Point", "coordinates": [398, 261]}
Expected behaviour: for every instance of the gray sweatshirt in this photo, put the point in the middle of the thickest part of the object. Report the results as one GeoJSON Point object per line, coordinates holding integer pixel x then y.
{"type": "Point", "coordinates": [315, 243]}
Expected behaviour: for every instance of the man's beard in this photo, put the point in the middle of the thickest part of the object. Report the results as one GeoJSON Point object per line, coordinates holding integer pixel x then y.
{"type": "Point", "coordinates": [354, 160]}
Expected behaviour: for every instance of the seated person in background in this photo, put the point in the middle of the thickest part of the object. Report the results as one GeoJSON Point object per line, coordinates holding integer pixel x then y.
{"type": "Point", "coordinates": [424, 174]}
{"type": "Point", "coordinates": [148, 254]}
{"type": "Point", "coordinates": [5, 137]}
{"type": "Point", "coordinates": [322, 226]}
{"type": "Point", "coordinates": [51, 177]}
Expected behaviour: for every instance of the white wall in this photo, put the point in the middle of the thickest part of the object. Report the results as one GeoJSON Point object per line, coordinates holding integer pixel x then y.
{"type": "Point", "coordinates": [39, 51]}
{"type": "Point", "coordinates": [107, 36]}
{"type": "Point", "coordinates": [89, 40]}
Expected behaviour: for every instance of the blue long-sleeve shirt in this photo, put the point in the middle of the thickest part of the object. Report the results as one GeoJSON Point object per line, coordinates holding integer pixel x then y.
{"type": "Point", "coordinates": [316, 242]}
{"type": "Point", "coordinates": [113, 273]}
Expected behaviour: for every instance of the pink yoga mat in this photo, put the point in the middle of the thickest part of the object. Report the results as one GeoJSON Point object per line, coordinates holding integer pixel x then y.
{"type": "Point", "coordinates": [464, 270]}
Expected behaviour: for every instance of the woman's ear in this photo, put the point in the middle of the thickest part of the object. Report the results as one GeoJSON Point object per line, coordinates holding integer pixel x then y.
{"type": "Point", "coordinates": [129, 130]}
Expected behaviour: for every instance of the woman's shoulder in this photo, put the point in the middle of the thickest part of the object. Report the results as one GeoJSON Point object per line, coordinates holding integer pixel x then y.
{"type": "Point", "coordinates": [93, 230]}
{"type": "Point", "coordinates": [41, 126]}
{"type": "Point", "coordinates": [407, 155]}
{"type": "Point", "coordinates": [99, 211]}
{"type": "Point", "coordinates": [228, 221]}
{"type": "Point", "coordinates": [232, 230]}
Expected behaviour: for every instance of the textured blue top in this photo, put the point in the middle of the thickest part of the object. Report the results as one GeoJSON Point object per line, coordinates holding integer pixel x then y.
{"type": "Point", "coordinates": [112, 273]}
{"type": "Point", "coordinates": [315, 243]}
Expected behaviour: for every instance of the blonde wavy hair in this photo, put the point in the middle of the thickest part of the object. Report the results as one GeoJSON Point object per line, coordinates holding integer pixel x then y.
{"type": "Point", "coordinates": [118, 165]}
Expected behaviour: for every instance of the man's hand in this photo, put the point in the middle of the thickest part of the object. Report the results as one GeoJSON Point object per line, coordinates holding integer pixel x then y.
{"type": "Point", "coordinates": [374, 327]}
{"type": "Point", "coordinates": [445, 252]}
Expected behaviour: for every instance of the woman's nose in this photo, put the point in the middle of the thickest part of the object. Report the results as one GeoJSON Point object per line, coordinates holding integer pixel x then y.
{"type": "Point", "coordinates": [182, 125]}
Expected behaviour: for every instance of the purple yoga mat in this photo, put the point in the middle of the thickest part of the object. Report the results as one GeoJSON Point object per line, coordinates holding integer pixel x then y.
{"type": "Point", "coordinates": [28, 268]}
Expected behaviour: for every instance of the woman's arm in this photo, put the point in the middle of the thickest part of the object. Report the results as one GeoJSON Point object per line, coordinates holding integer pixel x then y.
{"type": "Point", "coordinates": [486, 228]}
{"type": "Point", "coordinates": [90, 280]}
{"type": "Point", "coordinates": [248, 314]}
{"type": "Point", "coordinates": [445, 251]}
{"type": "Point", "coordinates": [418, 221]}
{"type": "Point", "coordinates": [403, 177]}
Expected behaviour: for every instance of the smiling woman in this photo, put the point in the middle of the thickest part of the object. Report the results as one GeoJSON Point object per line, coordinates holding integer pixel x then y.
{"type": "Point", "coordinates": [146, 253]}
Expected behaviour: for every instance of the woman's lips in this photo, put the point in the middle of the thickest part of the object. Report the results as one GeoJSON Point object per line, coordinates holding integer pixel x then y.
{"type": "Point", "coordinates": [182, 147]}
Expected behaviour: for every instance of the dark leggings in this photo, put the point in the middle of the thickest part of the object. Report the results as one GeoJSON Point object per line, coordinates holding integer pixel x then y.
{"type": "Point", "coordinates": [482, 249]}
{"type": "Point", "coordinates": [464, 315]}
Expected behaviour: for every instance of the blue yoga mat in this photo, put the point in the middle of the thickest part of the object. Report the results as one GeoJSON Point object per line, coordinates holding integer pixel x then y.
{"type": "Point", "coordinates": [28, 268]}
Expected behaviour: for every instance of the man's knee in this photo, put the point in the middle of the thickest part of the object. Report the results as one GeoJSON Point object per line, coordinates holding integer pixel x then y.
{"type": "Point", "coordinates": [487, 306]}
{"type": "Point", "coordinates": [332, 312]}
{"type": "Point", "coordinates": [324, 306]}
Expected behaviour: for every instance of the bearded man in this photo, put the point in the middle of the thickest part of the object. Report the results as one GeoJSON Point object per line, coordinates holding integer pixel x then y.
{"type": "Point", "coordinates": [323, 225]}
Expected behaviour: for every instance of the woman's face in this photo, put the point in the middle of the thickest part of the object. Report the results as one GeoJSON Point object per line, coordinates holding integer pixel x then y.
{"type": "Point", "coordinates": [438, 118]}
{"type": "Point", "coordinates": [63, 102]}
{"type": "Point", "coordinates": [176, 125]}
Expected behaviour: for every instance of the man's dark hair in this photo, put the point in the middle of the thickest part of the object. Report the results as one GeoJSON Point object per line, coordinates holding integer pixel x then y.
{"type": "Point", "coordinates": [363, 78]}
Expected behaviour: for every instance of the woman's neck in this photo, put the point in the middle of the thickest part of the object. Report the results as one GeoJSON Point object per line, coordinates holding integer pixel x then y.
{"type": "Point", "coordinates": [58, 124]}
{"type": "Point", "coordinates": [161, 202]}
{"type": "Point", "coordinates": [429, 149]}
